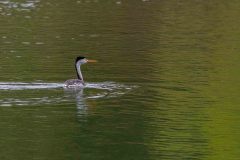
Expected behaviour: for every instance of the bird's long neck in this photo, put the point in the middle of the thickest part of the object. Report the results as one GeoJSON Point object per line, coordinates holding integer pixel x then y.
{"type": "Point", "coordinates": [78, 69]}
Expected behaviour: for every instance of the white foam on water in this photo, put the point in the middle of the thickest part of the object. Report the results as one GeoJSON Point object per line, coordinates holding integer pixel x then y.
{"type": "Point", "coordinates": [35, 85]}
{"type": "Point", "coordinates": [101, 90]}
{"type": "Point", "coordinates": [24, 86]}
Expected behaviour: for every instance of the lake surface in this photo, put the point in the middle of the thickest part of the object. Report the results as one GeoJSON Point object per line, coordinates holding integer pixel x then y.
{"type": "Point", "coordinates": [166, 85]}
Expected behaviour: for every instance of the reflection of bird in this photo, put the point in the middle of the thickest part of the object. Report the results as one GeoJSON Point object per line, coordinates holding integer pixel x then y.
{"type": "Point", "coordinates": [78, 82]}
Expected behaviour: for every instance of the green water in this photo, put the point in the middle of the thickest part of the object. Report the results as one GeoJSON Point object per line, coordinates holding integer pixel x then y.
{"type": "Point", "coordinates": [166, 85]}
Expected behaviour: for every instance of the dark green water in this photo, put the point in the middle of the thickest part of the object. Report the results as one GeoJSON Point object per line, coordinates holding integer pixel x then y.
{"type": "Point", "coordinates": [166, 85]}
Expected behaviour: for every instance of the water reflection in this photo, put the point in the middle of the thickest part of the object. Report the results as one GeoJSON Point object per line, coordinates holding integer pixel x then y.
{"type": "Point", "coordinates": [77, 95]}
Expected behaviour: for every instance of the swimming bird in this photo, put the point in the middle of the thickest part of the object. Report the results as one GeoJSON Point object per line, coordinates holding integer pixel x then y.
{"type": "Point", "coordinates": [72, 83]}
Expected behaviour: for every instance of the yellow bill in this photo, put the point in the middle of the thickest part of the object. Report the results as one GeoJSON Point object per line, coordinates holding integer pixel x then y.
{"type": "Point", "coordinates": [91, 60]}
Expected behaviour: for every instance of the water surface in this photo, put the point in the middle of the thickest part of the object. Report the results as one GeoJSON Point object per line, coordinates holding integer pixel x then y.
{"type": "Point", "coordinates": [166, 84]}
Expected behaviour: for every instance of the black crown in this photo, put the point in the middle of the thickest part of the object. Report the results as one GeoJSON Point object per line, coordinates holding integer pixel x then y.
{"type": "Point", "coordinates": [79, 58]}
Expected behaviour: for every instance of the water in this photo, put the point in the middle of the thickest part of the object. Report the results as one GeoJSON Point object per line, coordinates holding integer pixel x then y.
{"type": "Point", "coordinates": [165, 85]}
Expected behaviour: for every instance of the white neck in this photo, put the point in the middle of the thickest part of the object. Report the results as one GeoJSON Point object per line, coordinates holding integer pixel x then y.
{"type": "Point", "coordinates": [78, 64]}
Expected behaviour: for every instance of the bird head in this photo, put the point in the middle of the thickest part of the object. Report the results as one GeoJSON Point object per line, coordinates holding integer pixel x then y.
{"type": "Point", "coordinates": [83, 60]}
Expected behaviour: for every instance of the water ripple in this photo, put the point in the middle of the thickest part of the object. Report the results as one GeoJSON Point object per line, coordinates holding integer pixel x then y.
{"type": "Point", "coordinates": [78, 95]}
{"type": "Point", "coordinates": [24, 86]}
{"type": "Point", "coordinates": [20, 6]}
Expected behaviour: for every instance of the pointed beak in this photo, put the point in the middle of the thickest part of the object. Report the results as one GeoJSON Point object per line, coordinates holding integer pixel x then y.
{"type": "Point", "coordinates": [91, 60]}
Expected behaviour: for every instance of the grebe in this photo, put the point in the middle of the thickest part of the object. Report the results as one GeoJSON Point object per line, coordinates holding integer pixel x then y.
{"type": "Point", "coordinates": [78, 82]}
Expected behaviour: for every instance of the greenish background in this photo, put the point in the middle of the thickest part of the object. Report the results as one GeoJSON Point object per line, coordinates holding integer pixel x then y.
{"type": "Point", "coordinates": [182, 56]}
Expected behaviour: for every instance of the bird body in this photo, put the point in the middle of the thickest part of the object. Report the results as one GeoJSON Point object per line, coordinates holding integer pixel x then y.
{"type": "Point", "coordinates": [71, 83]}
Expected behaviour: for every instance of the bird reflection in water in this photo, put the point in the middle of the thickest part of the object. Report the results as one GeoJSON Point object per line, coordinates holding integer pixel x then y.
{"type": "Point", "coordinates": [78, 95]}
